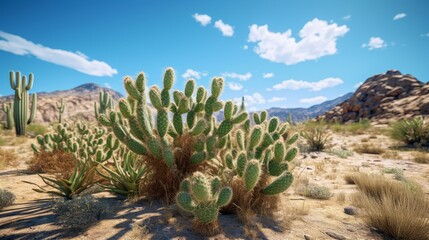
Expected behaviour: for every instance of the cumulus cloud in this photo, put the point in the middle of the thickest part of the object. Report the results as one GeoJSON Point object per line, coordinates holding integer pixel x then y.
{"type": "Point", "coordinates": [74, 60]}
{"type": "Point", "coordinates": [348, 17]}
{"type": "Point", "coordinates": [190, 73]}
{"type": "Point", "coordinates": [226, 29]}
{"type": "Point", "coordinates": [276, 99]}
{"type": "Point", "coordinates": [314, 100]}
{"type": "Point", "coordinates": [399, 16]}
{"type": "Point", "coordinates": [235, 86]}
{"type": "Point", "coordinates": [318, 39]}
{"type": "Point", "coordinates": [241, 77]}
{"type": "Point", "coordinates": [203, 19]}
{"type": "Point", "coordinates": [268, 75]}
{"type": "Point", "coordinates": [313, 86]}
{"type": "Point", "coordinates": [250, 100]}
{"type": "Point", "coordinates": [375, 43]}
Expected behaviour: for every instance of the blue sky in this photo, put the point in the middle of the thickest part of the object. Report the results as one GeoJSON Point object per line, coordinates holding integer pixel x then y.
{"type": "Point", "coordinates": [275, 53]}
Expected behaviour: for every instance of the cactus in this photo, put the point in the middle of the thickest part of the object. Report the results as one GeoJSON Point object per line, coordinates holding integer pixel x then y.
{"type": "Point", "coordinates": [203, 196]}
{"type": "Point", "coordinates": [8, 110]}
{"type": "Point", "coordinates": [165, 140]}
{"type": "Point", "coordinates": [20, 103]}
{"type": "Point", "coordinates": [106, 103]}
{"type": "Point", "coordinates": [60, 108]}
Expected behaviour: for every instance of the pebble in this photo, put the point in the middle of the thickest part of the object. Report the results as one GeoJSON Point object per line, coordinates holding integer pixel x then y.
{"type": "Point", "coordinates": [307, 237]}
{"type": "Point", "coordinates": [350, 210]}
{"type": "Point", "coordinates": [336, 236]}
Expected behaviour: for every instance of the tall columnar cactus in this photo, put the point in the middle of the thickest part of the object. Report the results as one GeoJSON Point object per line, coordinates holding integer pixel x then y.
{"type": "Point", "coordinates": [20, 113]}
{"type": "Point", "coordinates": [60, 107]}
{"type": "Point", "coordinates": [178, 144]}
{"type": "Point", "coordinates": [203, 196]}
{"type": "Point", "coordinates": [106, 103]}
{"type": "Point", "coordinates": [8, 110]}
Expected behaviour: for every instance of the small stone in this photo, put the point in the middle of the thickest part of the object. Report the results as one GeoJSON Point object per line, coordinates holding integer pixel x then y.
{"type": "Point", "coordinates": [350, 210]}
{"type": "Point", "coordinates": [336, 236]}
{"type": "Point", "coordinates": [307, 237]}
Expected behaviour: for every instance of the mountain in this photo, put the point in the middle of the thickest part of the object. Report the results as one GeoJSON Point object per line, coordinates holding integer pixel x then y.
{"type": "Point", "coordinates": [79, 103]}
{"type": "Point", "coordinates": [383, 98]}
{"type": "Point", "coordinates": [302, 114]}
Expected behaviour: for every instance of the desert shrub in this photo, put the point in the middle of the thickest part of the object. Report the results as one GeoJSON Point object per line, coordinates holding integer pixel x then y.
{"type": "Point", "coordinates": [393, 207]}
{"type": "Point", "coordinates": [6, 198]}
{"type": "Point", "coordinates": [57, 162]}
{"type": "Point", "coordinates": [421, 157]}
{"type": "Point", "coordinates": [354, 128]}
{"type": "Point", "coordinates": [368, 148]}
{"type": "Point", "coordinates": [391, 155]}
{"type": "Point", "coordinates": [79, 212]}
{"type": "Point", "coordinates": [413, 132]}
{"type": "Point", "coordinates": [7, 159]}
{"type": "Point", "coordinates": [340, 152]}
{"type": "Point", "coordinates": [314, 191]}
{"type": "Point", "coordinates": [317, 138]}
{"type": "Point", "coordinates": [36, 129]}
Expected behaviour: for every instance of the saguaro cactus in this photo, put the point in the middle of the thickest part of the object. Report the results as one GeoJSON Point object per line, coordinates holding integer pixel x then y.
{"type": "Point", "coordinates": [106, 103]}
{"type": "Point", "coordinates": [8, 110]}
{"type": "Point", "coordinates": [20, 111]}
{"type": "Point", "coordinates": [61, 108]}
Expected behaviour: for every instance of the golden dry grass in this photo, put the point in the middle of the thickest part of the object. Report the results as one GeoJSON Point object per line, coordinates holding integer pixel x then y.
{"type": "Point", "coordinates": [57, 162]}
{"type": "Point", "coordinates": [8, 158]}
{"type": "Point", "coordinates": [400, 211]}
{"type": "Point", "coordinates": [421, 157]}
{"type": "Point", "coordinates": [368, 148]}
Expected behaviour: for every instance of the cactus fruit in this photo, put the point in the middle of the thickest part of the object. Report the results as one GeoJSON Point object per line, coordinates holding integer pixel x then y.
{"type": "Point", "coordinates": [20, 103]}
{"type": "Point", "coordinates": [8, 110]}
{"type": "Point", "coordinates": [60, 108]}
{"type": "Point", "coordinates": [203, 196]}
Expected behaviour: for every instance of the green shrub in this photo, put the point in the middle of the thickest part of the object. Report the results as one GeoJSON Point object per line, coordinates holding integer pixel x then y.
{"type": "Point", "coordinates": [317, 138]}
{"type": "Point", "coordinates": [413, 132]}
{"type": "Point", "coordinates": [6, 198]}
{"type": "Point", "coordinates": [36, 129]}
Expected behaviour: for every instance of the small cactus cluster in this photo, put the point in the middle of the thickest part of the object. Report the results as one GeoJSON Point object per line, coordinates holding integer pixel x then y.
{"type": "Point", "coordinates": [106, 104]}
{"type": "Point", "coordinates": [20, 102]}
{"type": "Point", "coordinates": [203, 196]}
{"type": "Point", "coordinates": [60, 107]}
{"type": "Point", "coordinates": [8, 110]}
{"type": "Point", "coordinates": [85, 143]}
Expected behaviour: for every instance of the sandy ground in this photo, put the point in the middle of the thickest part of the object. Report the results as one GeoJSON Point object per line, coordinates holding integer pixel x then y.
{"type": "Point", "coordinates": [31, 215]}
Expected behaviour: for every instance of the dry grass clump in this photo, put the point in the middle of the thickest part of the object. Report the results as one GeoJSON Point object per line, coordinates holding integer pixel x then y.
{"type": "Point", "coordinates": [350, 178]}
{"type": "Point", "coordinates": [391, 155]}
{"type": "Point", "coordinates": [400, 211]}
{"type": "Point", "coordinates": [6, 198]}
{"type": "Point", "coordinates": [317, 138]}
{"type": "Point", "coordinates": [80, 212]}
{"type": "Point", "coordinates": [342, 153]}
{"type": "Point", "coordinates": [368, 148]}
{"type": "Point", "coordinates": [57, 162]}
{"type": "Point", "coordinates": [313, 191]}
{"type": "Point", "coordinates": [7, 159]}
{"type": "Point", "coordinates": [341, 197]}
{"type": "Point", "coordinates": [421, 157]}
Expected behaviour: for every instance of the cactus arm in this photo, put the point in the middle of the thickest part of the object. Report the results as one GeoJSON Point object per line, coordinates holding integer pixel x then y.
{"type": "Point", "coordinates": [30, 82]}
{"type": "Point", "coordinates": [33, 109]}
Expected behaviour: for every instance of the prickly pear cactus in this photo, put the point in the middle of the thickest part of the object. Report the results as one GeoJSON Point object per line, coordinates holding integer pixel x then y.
{"type": "Point", "coordinates": [203, 196]}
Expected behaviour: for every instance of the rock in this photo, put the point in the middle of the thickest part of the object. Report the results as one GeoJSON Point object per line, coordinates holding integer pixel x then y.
{"type": "Point", "coordinates": [349, 210]}
{"type": "Point", "coordinates": [307, 237]}
{"type": "Point", "coordinates": [336, 236]}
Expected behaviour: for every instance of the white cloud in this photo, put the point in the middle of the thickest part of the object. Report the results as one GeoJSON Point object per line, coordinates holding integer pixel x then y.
{"type": "Point", "coordinates": [348, 17]}
{"type": "Point", "coordinates": [314, 100]}
{"type": "Point", "coordinates": [190, 73]}
{"type": "Point", "coordinates": [318, 39]}
{"type": "Point", "coordinates": [245, 47]}
{"type": "Point", "coordinates": [399, 16]}
{"type": "Point", "coordinates": [235, 86]}
{"type": "Point", "coordinates": [276, 99]}
{"type": "Point", "coordinates": [241, 77]}
{"type": "Point", "coordinates": [313, 86]}
{"type": "Point", "coordinates": [250, 100]}
{"type": "Point", "coordinates": [77, 61]}
{"type": "Point", "coordinates": [375, 43]}
{"type": "Point", "coordinates": [203, 19]}
{"type": "Point", "coordinates": [268, 75]}
{"type": "Point", "coordinates": [226, 29]}
{"type": "Point", "coordinates": [107, 85]}
{"type": "Point", "coordinates": [358, 84]}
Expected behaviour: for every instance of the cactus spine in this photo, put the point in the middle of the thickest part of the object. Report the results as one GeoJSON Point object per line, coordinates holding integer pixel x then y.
{"type": "Point", "coordinates": [8, 110]}
{"type": "Point", "coordinates": [20, 113]}
{"type": "Point", "coordinates": [60, 108]}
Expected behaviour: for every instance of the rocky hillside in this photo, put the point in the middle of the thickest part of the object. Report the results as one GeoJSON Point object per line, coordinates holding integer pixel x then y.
{"type": "Point", "coordinates": [79, 103]}
{"type": "Point", "coordinates": [302, 114]}
{"type": "Point", "coordinates": [383, 98]}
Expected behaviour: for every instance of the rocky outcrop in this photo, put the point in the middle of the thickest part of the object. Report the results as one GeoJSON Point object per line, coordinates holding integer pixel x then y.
{"type": "Point", "coordinates": [79, 103]}
{"type": "Point", "coordinates": [383, 98]}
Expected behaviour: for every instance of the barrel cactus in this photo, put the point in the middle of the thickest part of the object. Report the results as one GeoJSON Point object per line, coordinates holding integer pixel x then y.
{"type": "Point", "coordinates": [203, 196]}
{"type": "Point", "coordinates": [20, 103]}
{"type": "Point", "coordinates": [178, 134]}
{"type": "Point", "coordinates": [8, 110]}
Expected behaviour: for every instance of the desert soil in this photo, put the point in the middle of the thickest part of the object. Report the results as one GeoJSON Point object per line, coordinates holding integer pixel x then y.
{"type": "Point", "coordinates": [31, 215]}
